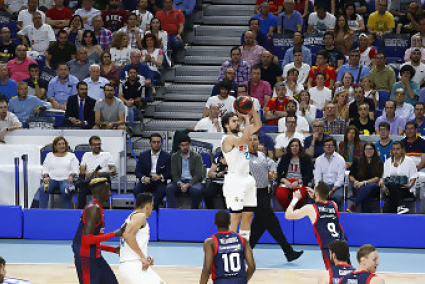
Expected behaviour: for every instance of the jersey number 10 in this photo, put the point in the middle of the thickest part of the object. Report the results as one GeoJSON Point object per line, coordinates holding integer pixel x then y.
{"type": "Point", "coordinates": [234, 261]}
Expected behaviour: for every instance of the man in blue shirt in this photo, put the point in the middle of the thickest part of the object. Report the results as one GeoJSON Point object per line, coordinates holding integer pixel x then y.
{"type": "Point", "coordinates": [8, 86]}
{"type": "Point", "coordinates": [419, 118]}
{"type": "Point", "coordinates": [290, 20]}
{"type": "Point", "coordinates": [314, 144]}
{"type": "Point", "coordinates": [61, 87]}
{"type": "Point", "coordinates": [268, 22]}
{"type": "Point", "coordinates": [142, 68]}
{"type": "Point", "coordinates": [298, 42]}
{"type": "Point", "coordinates": [186, 7]}
{"type": "Point", "coordinates": [385, 143]}
{"type": "Point", "coordinates": [24, 106]}
{"type": "Point", "coordinates": [354, 67]}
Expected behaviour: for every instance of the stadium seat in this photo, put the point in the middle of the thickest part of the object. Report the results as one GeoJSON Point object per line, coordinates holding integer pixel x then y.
{"type": "Point", "coordinates": [394, 59]}
{"type": "Point", "coordinates": [371, 6]}
{"type": "Point", "coordinates": [383, 97]}
{"type": "Point", "coordinates": [269, 128]}
{"type": "Point", "coordinates": [319, 113]}
{"type": "Point", "coordinates": [45, 150]}
{"type": "Point", "coordinates": [206, 159]}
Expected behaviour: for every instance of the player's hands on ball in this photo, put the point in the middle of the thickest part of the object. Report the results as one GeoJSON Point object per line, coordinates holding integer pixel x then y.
{"type": "Point", "coordinates": [120, 231]}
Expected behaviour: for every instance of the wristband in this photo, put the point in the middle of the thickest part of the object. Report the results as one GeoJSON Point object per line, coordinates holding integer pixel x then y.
{"type": "Point", "coordinates": [294, 201]}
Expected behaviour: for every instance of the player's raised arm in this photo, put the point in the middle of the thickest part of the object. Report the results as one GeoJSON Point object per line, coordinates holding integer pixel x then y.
{"type": "Point", "coordinates": [249, 257]}
{"type": "Point", "coordinates": [208, 261]}
{"type": "Point", "coordinates": [257, 123]}
{"type": "Point", "coordinates": [137, 221]}
{"type": "Point", "coordinates": [306, 210]}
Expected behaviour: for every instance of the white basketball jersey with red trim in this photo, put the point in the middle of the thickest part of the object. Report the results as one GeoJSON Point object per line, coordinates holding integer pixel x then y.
{"type": "Point", "coordinates": [142, 238]}
{"type": "Point", "coordinates": [237, 159]}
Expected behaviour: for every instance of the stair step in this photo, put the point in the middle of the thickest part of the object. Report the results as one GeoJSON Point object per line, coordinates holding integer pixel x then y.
{"type": "Point", "coordinates": [179, 115]}
{"type": "Point", "coordinates": [178, 107]}
{"type": "Point", "coordinates": [234, 2]}
{"type": "Point", "coordinates": [205, 60]}
{"type": "Point", "coordinates": [226, 31]}
{"type": "Point", "coordinates": [169, 125]}
{"type": "Point", "coordinates": [226, 20]}
{"type": "Point", "coordinates": [198, 71]}
{"type": "Point", "coordinates": [227, 10]}
{"type": "Point", "coordinates": [185, 97]}
{"type": "Point", "coordinates": [198, 79]}
{"type": "Point", "coordinates": [221, 51]}
{"type": "Point", "coordinates": [214, 40]}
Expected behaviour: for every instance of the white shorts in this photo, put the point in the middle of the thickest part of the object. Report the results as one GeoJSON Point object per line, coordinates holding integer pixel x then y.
{"type": "Point", "coordinates": [132, 273]}
{"type": "Point", "coordinates": [240, 191]}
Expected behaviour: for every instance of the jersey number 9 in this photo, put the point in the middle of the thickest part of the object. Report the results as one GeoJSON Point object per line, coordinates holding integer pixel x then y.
{"type": "Point", "coordinates": [332, 230]}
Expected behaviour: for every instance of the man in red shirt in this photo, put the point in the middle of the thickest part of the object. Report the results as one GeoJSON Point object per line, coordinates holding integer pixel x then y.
{"type": "Point", "coordinates": [321, 65]}
{"type": "Point", "coordinates": [276, 6]}
{"type": "Point", "coordinates": [172, 21]}
{"type": "Point", "coordinates": [276, 107]}
{"type": "Point", "coordinates": [58, 16]}
{"type": "Point", "coordinates": [114, 18]}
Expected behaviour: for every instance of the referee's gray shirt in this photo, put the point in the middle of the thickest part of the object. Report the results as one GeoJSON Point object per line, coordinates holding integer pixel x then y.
{"type": "Point", "coordinates": [258, 167]}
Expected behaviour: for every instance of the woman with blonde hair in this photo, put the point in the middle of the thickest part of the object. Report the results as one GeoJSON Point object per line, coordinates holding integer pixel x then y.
{"type": "Point", "coordinates": [369, 92]}
{"type": "Point", "coordinates": [340, 101]}
{"type": "Point", "coordinates": [347, 85]}
{"type": "Point", "coordinates": [306, 109]}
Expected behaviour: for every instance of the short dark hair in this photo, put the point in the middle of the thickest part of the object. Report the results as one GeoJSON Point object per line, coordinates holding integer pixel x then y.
{"type": "Point", "coordinates": [297, 49]}
{"type": "Point", "coordinates": [2, 261]}
{"type": "Point", "coordinates": [329, 33]}
{"type": "Point", "coordinates": [411, 123]}
{"type": "Point", "coordinates": [143, 198]}
{"type": "Point", "coordinates": [420, 103]}
{"type": "Point", "coordinates": [321, 73]}
{"type": "Point", "coordinates": [300, 33]}
{"type": "Point", "coordinates": [33, 65]}
{"type": "Point", "coordinates": [296, 106]}
{"type": "Point", "coordinates": [225, 119]}
{"type": "Point", "coordinates": [185, 138]}
{"type": "Point", "coordinates": [62, 32]}
{"type": "Point", "coordinates": [3, 98]}
{"type": "Point", "coordinates": [226, 84]}
{"type": "Point", "coordinates": [364, 251]}
{"type": "Point", "coordinates": [359, 86]}
{"type": "Point", "coordinates": [108, 85]}
{"type": "Point", "coordinates": [81, 83]}
{"type": "Point", "coordinates": [340, 249]}
{"type": "Point", "coordinates": [408, 68]}
{"type": "Point", "coordinates": [255, 67]}
{"type": "Point", "coordinates": [61, 64]}
{"type": "Point", "coordinates": [322, 190]}
{"type": "Point", "coordinates": [235, 48]}
{"type": "Point", "coordinates": [243, 86]}
{"type": "Point", "coordinates": [132, 68]}
{"type": "Point", "coordinates": [222, 219]}
{"type": "Point", "coordinates": [94, 138]}
{"type": "Point", "coordinates": [323, 53]}
{"type": "Point", "coordinates": [384, 124]}
{"type": "Point", "coordinates": [390, 101]}
{"type": "Point", "coordinates": [156, 134]}
{"type": "Point", "coordinates": [329, 139]}
{"type": "Point", "coordinates": [253, 19]}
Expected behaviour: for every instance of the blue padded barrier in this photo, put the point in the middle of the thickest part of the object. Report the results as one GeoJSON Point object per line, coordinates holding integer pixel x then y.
{"type": "Point", "coordinates": [287, 228]}
{"type": "Point", "coordinates": [269, 128]}
{"type": "Point", "coordinates": [304, 233]}
{"type": "Point", "coordinates": [11, 222]}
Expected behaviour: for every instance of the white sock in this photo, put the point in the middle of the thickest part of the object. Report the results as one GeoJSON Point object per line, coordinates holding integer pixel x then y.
{"type": "Point", "coordinates": [245, 233]}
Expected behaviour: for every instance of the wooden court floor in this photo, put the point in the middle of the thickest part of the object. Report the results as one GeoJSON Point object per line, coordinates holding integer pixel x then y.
{"type": "Point", "coordinates": [65, 274]}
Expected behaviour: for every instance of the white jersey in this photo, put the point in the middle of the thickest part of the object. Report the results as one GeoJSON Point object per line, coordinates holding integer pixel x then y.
{"type": "Point", "coordinates": [142, 238]}
{"type": "Point", "coordinates": [364, 57]}
{"type": "Point", "coordinates": [237, 159]}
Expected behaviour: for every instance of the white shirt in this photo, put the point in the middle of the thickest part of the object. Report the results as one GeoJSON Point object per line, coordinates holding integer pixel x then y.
{"type": "Point", "coordinates": [406, 168]}
{"type": "Point", "coordinates": [419, 74]}
{"type": "Point", "coordinates": [142, 239]}
{"type": "Point", "coordinates": [282, 140]}
{"type": "Point", "coordinates": [289, 92]}
{"type": "Point", "coordinates": [310, 114]}
{"type": "Point", "coordinates": [407, 111]}
{"type": "Point", "coordinates": [303, 71]}
{"type": "Point", "coordinates": [59, 168]}
{"type": "Point", "coordinates": [225, 105]}
{"type": "Point", "coordinates": [120, 57]}
{"type": "Point", "coordinates": [95, 89]}
{"type": "Point", "coordinates": [163, 37]}
{"type": "Point", "coordinates": [103, 159]}
{"type": "Point", "coordinates": [154, 161]}
{"type": "Point", "coordinates": [26, 17]}
{"type": "Point", "coordinates": [365, 58]}
{"type": "Point", "coordinates": [320, 97]}
{"type": "Point", "coordinates": [331, 172]}
{"type": "Point", "coordinates": [16, 5]}
{"type": "Point", "coordinates": [39, 38]}
{"type": "Point", "coordinates": [10, 120]}
{"type": "Point", "coordinates": [302, 125]}
{"type": "Point", "coordinates": [207, 124]}
{"type": "Point", "coordinates": [320, 26]}
{"type": "Point", "coordinates": [354, 24]}
{"type": "Point", "coordinates": [145, 19]}
{"type": "Point", "coordinates": [91, 13]}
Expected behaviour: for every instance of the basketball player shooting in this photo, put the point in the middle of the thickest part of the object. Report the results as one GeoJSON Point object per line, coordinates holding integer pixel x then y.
{"type": "Point", "coordinates": [239, 187]}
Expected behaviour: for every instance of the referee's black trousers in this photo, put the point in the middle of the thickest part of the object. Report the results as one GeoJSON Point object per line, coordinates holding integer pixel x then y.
{"type": "Point", "coordinates": [266, 219]}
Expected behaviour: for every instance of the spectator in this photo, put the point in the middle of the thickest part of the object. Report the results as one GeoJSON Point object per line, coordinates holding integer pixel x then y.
{"type": "Point", "coordinates": [385, 143]}
{"type": "Point", "coordinates": [415, 42]}
{"type": "Point", "coordinates": [90, 42]}
{"type": "Point", "coordinates": [153, 169]}
{"type": "Point", "coordinates": [396, 123]}
{"type": "Point", "coordinates": [268, 21]}
{"type": "Point", "coordinates": [410, 87]}
{"type": "Point", "coordinates": [329, 6]}
{"type": "Point", "coordinates": [79, 67]}
{"type": "Point", "coordinates": [295, 172]}
{"type": "Point", "coordinates": [282, 140]}
{"type": "Point", "coordinates": [298, 42]}
{"type": "Point", "coordinates": [61, 87]}
{"type": "Point", "coordinates": [251, 52]}
{"type": "Point", "coordinates": [320, 21]}
{"type": "Point", "coordinates": [212, 123]}
{"type": "Point", "coordinates": [330, 168]}
{"type": "Point", "coordinates": [351, 148]}
{"type": "Point", "coordinates": [144, 16]}
{"type": "Point", "coordinates": [8, 120]}
{"type": "Point", "coordinates": [186, 7]}
{"type": "Point", "coordinates": [344, 37]}
{"type": "Point", "coordinates": [58, 16]}
{"type": "Point", "coordinates": [365, 173]}
{"type": "Point", "coordinates": [276, 107]}
{"type": "Point", "coordinates": [109, 112]}
{"type": "Point", "coordinates": [161, 35]}
{"type": "Point", "coordinates": [45, 4]}
{"type": "Point", "coordinates": [381, 75]}
{"type": "Point", "coordinates": [24, 106]}
{"type": "Point", "coordinates": [25, 17]}
{"type": "Point", "coordinates": [240, 66]}
{"type": "Point", "coordinates": [131, 93]}
{"type": "Point", "coordinates": [96, 163]}
{"type": "Point", "coordinates": [359, 98]}
{"type": "Point", "coordinates": [322, 66]}
{"type": "Point", "coordinates": [405, 25]}
{"type": "Point", "coordinates": [340, 101]}
{"type": "Point", "coordinates": [302, 123]}
{"type": "Point", "coordinates": [40, 35]}
{"type": "Point", "coordinates": [14, 6]}
{"type": "Point", "coordinates": [8, 87]}
{"type": "Point", "coordinates": [270, 71]}
{"type": "Point", "coordinates": [398, 168]}
{"type": "Point", "coordinates": [60, 51]}
{"type": "Point", "coordinates": [230, 75]}
{"type": "Point", "coordinates": [172, 22]}
{"type": "Point", "coordinates": [87, 13]}
{"type": "Point", "coordinates": [114, 18]}
{"type": "Point", "coordinates": [370, 93]}
{"type": "Point", "coordinates": [214, 186]}
{"type": "Point", "coordinates": [242, 90]}
{"type": "Point", "coordinates": [320, 95]}
{"type": "Point", "coordinates": [5, 13]}
{"type": "Point", "coordinates": [347, 86]}
{"type": "Point", "coordinates": [332, 123]}
{"type": "Point", "coordinates": [314, 143]}
{"type": "Point", "coordinates": [419, 117]}
{"type": "Point", "coordinates": [381, 21]}
{"type": "Point", "coordinates": [354, 67]}
{"type": "Point", "coordinates": [415, 62]}
{"type": "Point", "coordinates": [403, 109]}
{"type": "Point", "coordinates": [120, 50]}
{"type": "Point", "coordinates": [275, 6]}
{"type": "Point", "coordinates": [108, 69]}
{"type": "Point", "coordinates": [254, 27]}
{"type": "Point", "coordinates": [142, 68]}
{"type": "Point", "coordinates": [223, 100]}
{"type": "Point", "coordinates": [399, 7]}
{"type": "Point", "coordinates": [152, 56]}
{"type": "Point", "coordinates": [96, 83]}
{"type": "Point", "coordinates": [18, 67]}
{"type": "Point", "coordinates": [258, 88]}
{"type": "Point", "coordinates": [134, 34]}
{"type": "Point", "coordinates": [351, 12]}
{"type": "Point", "coordinates": [186, 174]}
{"type": "Point", "coordinates": [291, 83]}
{"type": "Point", "coordinates": [7, 46]}
{"type": "Point", "coordinates": [336, 57]}
{"type": "Point", "coordinates": [290, 20]}
{"type": "Point", "coordinates": [75, 30]}
{"type": "Point", "coordinates": [59, 169]}
{"type": "Point", "coordinates": [367, 53]}
{"type": "Point", "coordinates": [362, 121]}
{"type": "Point", "coordinates": [306, 109]}
{"type": "Point", "coordinates": [414, 146]}
{"type": "Point", "coordinates": [303, 68]}
{"type": "Point", "coordinates": [36, 86]}
{"type": "Point", "coordinates": [80, 109]}
{"type": "Point", "coordinates": [302, 6]}
{"type": "Point", "coordinates": [103, 36]}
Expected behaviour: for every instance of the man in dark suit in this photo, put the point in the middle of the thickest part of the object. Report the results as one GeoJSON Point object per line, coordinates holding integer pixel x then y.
{"type": "Point", "coordinates": [186, 174]}
{"type": "Point", "coordinates": [80, 109]}
{"type": "Point", "coordinates": [153, 169]}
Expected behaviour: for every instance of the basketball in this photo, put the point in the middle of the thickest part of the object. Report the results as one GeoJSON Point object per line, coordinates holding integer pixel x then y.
{"type": "Point", "coordinates": [243, 104]}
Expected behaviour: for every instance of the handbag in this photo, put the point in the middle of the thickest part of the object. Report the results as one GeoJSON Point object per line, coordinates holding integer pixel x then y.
{"type": "Point", "coordinates": [398, 180]}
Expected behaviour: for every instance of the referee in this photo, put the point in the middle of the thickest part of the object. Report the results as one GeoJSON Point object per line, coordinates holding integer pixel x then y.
{"type": "Point", "coordinates": [264, 217]}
